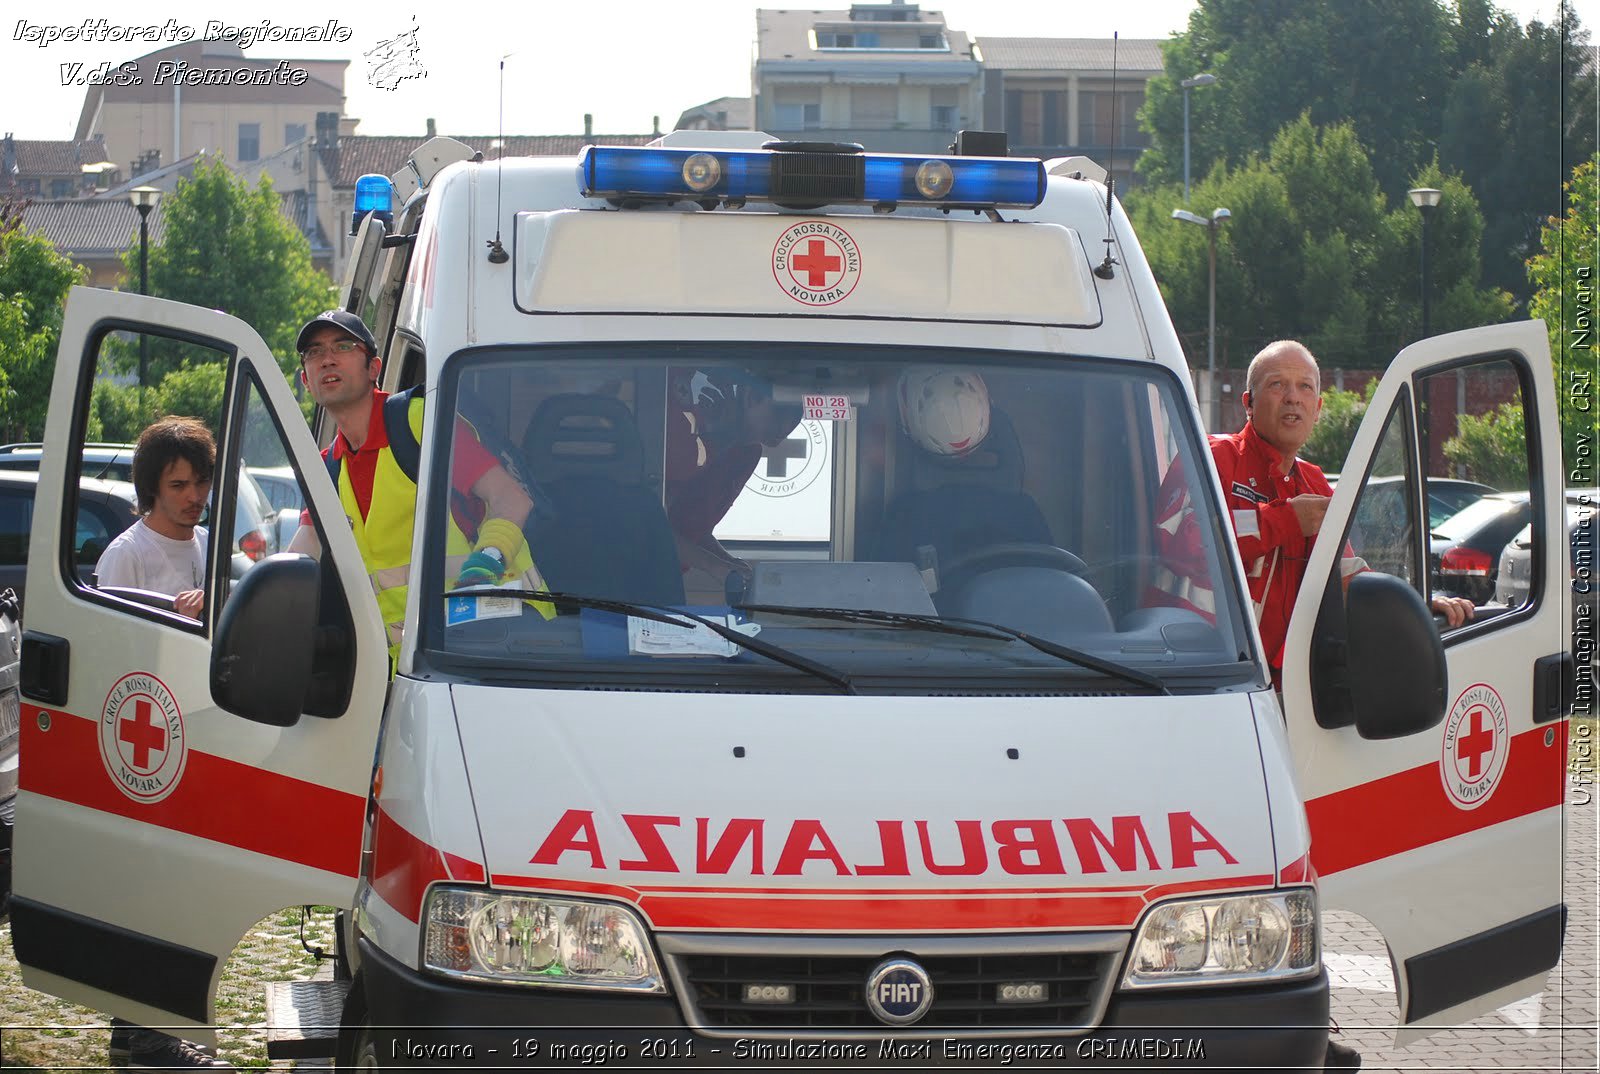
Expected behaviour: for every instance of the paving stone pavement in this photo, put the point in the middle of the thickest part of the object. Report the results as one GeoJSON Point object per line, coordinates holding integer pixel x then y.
{"type": "Point", "coordinates": [1553, 1031]}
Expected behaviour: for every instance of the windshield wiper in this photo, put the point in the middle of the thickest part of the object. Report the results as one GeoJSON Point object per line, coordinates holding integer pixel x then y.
{"type": "Point", "coordinates": [952, 624]}
{"type": "Point", "coordinates": [663, 614]}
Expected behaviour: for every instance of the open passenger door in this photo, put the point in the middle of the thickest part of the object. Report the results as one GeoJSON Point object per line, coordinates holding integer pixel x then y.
{"type": "Point", "coordinates": [1433, 764]}
{"type": "Point", "coordinates": [154, 828]}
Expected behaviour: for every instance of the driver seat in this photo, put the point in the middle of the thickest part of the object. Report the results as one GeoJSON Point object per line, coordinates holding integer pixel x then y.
{"type": "Point", "coordinates": [959, 505]}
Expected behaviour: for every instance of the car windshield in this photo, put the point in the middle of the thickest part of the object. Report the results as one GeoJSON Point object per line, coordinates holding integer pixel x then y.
{"type": "Point", "coordinates": [855, 508]}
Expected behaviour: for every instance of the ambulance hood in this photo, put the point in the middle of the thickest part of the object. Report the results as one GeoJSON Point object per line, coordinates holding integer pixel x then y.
{"type": "Point", "coordinates": [758, 813]}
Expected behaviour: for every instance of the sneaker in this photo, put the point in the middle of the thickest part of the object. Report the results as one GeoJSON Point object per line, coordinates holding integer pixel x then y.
{"type": "Point", "coordinates": [157, 1051]}
{"type": "Point", "coordinates": [123, 1035]}
{"type": "Point", "coordinates": [1341, 1057]}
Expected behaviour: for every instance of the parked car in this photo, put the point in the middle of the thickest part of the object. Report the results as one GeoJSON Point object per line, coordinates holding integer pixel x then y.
{"type": "Point", "coordinates": [105, 509]}
{"type": "Point", "coordinates": [1446, 497]}
{"type": "Point", "coordinates": [281, 486]}
{"type": "Point", "coordinates": [1583, 544]}
{"type": "Point", "coordinates": [1464, 550]}
{"type": "Point", "coordinates": [255, 518]}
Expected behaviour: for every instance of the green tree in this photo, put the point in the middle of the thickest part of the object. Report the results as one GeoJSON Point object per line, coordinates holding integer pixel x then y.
{"type": "Point", "coordinates": [1492, 447]}
{"type": "Point", "coordinates": [1379, 64]}
{"type": "Point", "coordinates": [1314, 251]}
{"type": "Point", "coordinates": [227, 246]}
{"type": "Point", "coordinates": [1335, 431]}
{"type": "Point", "coordinates": [1563, 275]}
{"type": "Point", "coordinates": [1519, 115]}
{"type": "Point", "coordinates": [1508, 108]}
{"type": "Point", "coordinates": [34, 281]}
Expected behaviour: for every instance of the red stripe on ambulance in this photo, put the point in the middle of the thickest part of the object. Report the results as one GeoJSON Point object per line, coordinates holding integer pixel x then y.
{"type": "Point", "coordinates": [1357, 825]}
{"type": "Point", "coordinates": [217, 798]}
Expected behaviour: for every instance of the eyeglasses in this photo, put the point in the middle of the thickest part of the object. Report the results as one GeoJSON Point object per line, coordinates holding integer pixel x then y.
{"type": "Point", "coordinates": [338, 346]}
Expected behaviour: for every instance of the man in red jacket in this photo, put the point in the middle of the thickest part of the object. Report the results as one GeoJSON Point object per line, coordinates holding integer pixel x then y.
{"type": "Point", "coordinates": [1276, 500]}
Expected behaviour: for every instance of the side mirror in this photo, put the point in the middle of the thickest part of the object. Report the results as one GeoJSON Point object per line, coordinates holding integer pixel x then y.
{"type": "Point", "coordinates": [261, 657]}
{"type": "Point", "coordinates": [1397, 672]}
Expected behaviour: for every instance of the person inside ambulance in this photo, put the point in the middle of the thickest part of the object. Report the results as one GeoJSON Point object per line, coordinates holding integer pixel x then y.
{"type": "Point", "coordinates": [1275, 499]}
{"type": "Point", "coordinates": [339, 365]}
{"type": "Point", "coordinates": [963, 486]}
{"type": "Point", "coordinates": [165, 551]}
{"type": "Point", "coordinates": [719, 423]}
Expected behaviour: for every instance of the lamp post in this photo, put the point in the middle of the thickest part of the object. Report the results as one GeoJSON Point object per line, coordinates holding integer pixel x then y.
{"type": "Point", "coordinates": [144, 199]}
{"type": "Point", "coordinates": [1426, 199]}
{"type": "Point", "coordinates": [1212, 226]}
{"type": "Point", "coordinates": [1189, 84]}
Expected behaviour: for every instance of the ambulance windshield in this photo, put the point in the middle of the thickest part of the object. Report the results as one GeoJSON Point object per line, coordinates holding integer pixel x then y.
{"type": "Point", "coordinates": [770, 487]}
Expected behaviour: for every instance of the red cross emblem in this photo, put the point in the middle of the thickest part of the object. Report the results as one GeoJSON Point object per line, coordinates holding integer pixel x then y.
{"type": "Point", "coordinates": [142, 733]}
{"type": "Point", "coordinates": [1475, 747]}
{"type": "Point", "coordinates": [817, 263]}
{"type": "Point", "coordinates": [142, 740]}
{"type": "Point", "coordinates": [1475, 743]}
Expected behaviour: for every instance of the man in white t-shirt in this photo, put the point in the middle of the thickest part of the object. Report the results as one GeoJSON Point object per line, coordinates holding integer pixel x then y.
{"type": "Point", "coordinates": [165, 551]}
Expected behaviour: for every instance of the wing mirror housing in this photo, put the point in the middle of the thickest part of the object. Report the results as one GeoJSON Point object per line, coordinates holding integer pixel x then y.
{"type": "Point", "coordinates": [1379, 662]}
{"type": "Point", "coordinates": [262, 655]}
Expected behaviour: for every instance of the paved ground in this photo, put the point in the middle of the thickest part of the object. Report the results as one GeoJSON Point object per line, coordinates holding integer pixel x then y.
{"type": "Point", "coordinates": [1554, 1031]}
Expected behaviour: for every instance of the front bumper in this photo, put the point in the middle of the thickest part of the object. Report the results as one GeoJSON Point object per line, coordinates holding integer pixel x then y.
{"type": "Point", "coordinates": [450, 1024]}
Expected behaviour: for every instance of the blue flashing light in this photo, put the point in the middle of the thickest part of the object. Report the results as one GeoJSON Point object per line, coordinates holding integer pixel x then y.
{"type": "Point", "coordinates": [646, 171]}
{"type": "Point", "coordinates": [374, 194]}
{"type": "Point", "coordinates": [747, 175]}
{"type": "Point", "coordinates": [998, 182]}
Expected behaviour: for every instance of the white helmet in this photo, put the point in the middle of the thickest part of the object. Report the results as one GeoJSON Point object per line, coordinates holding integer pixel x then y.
{"type": "Point", "coordinates": [944, 411]}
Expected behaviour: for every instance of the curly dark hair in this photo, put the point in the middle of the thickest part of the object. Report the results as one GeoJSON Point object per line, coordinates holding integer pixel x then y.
{"type": "Point", "coordinates": [164, 442]}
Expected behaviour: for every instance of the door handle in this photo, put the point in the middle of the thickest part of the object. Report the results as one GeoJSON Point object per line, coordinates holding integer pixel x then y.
{"type": "Point", "coordinates": [45, 660]}
{"type": "Point", "coordinates": [1554, 677]}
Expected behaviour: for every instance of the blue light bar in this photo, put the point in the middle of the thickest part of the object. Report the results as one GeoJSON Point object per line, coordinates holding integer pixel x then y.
{"type": "Point", "coordinates": [650, 172]}
{"type": "Point", "coordinates": [374, 194]}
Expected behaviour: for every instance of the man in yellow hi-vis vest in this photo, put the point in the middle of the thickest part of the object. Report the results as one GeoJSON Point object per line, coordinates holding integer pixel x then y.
{"type": "Point", "coordinates": [339, 365]}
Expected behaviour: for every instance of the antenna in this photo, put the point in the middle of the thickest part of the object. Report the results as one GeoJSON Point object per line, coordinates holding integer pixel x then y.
{"type": "Point", "coordinates": [1104, 269]}
{"type": "Point", "coordinates": [497, 252]}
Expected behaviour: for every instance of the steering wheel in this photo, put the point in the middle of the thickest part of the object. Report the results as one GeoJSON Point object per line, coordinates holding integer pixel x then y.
{"type": "Point", "coordinates": [992, 557]}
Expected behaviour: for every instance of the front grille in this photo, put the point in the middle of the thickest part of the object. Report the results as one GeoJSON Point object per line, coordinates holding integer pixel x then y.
{"type": "Point", "coordinates": [830, 987]}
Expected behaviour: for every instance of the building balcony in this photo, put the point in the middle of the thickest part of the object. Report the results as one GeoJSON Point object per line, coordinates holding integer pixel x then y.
{"type": "Point", "coordinates": [877, 139]}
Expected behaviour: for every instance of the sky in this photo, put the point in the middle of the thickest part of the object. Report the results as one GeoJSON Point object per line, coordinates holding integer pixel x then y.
{"type": "Point", "coordinates": [625, 61]}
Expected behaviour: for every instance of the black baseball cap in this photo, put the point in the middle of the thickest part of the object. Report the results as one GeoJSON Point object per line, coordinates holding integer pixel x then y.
{"type": "Point", "coordinates": [343, 320]}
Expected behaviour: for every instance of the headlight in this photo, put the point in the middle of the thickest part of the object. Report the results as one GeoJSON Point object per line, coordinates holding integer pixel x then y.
{"type": "Point", "coordinates": [533, 939]}
{"type": "Point", "coordinates": [1234, 940]}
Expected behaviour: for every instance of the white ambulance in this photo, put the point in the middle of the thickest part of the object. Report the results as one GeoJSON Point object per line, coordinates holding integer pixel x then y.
{"type": "Point", "coordinates": [977, 770]}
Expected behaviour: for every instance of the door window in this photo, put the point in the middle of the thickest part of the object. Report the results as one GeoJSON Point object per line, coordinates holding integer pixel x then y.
{"type": "Point", "coordinates": [1476, 461]}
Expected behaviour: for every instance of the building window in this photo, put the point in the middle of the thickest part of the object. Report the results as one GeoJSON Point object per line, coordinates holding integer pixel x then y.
{"type": "Point", "coordinates": [1099, 115]}
{"type": "Point", "coordinates": [293, 132]}
{"type": "Point", "coordinates": [874, 107]}
{"type": "Point", "coordinates": [798, 109]}
{"type": "Point", "coordinates": [1036, 117]}
{"type": "Point", "coordinates": [61, 188]}
{"type": "Point", "coordinates": [944, 114]}
{"type": "Point", "coordinates": [249, 142]}
{"type": "Point", "coordinates": [930, 41]}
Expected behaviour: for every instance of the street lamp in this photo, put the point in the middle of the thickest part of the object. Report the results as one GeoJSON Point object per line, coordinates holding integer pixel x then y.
{"type": "Point", "coordinates": [144, 199]}
{"type": "Point", "coordinates": [1426, 199]}
{"type": "Point", "coordinates": [1189, 84]}
{"type": "Point", "coordinates": [1212, 226]}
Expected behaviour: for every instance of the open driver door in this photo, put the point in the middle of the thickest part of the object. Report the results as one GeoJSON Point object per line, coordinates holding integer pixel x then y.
{"type": "Point", "coordinates": [1431, 759]}
{"type": "Point", "coordinates": [156, 824]}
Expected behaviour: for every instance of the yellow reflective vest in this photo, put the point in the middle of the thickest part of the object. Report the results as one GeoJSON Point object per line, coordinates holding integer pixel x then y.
{"type": "Point", "coordinates": [384, 535]}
